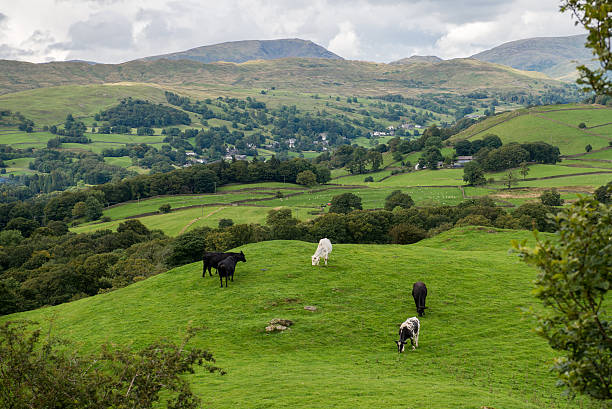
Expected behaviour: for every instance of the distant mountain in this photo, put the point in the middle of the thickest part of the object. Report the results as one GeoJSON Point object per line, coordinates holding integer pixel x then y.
{"type": "Point", "coordinates": [242, 51]}
{"type": "Point", "coordinates": [556, 57]}
{"type": "Point", "coordinates": [418, 59]}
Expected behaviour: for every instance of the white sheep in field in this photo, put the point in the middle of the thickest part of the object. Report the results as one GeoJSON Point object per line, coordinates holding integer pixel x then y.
{"type": "Point", "coordinates": [324, 249]}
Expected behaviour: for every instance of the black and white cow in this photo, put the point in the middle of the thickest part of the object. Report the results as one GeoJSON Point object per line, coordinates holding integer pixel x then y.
{"type": "Point", "coordinates": [409, 330]}
{"type": "Point", "coordinates": [419, 293]}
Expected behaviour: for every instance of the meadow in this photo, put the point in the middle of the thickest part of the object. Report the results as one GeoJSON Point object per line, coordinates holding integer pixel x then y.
{"type": "Point", "coordinates": [557, 125]}
{"type": "Point", "coordinates": [476, 347]}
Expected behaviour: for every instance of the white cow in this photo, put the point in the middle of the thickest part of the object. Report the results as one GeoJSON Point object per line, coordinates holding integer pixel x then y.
{"type": "Point", "coordinates": [324, 249]}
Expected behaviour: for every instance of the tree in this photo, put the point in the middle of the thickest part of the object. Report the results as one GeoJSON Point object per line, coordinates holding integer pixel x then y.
{"type": "Point", "coordinates": [345, 203]}
{"type": "Point", "coordinates": [574, 277]}
{"type": "Point", "coordinates": [588, 148]}
{"type": "Point", "coordinates": [223, 223]}
{"type": "Point", "coordinates": [306, 178]}
{"type": "Point", "coordinates": [510, 179]}
{"type": "Point", "coordinates": [397, 198]}
{"type": "Point", "coordinates": [79, 210]}
{"type": "Point", "coordinates": [40, 373]}
{"type": "Point", "coordinates": [430, 158]}
{"type": "Point", "coordinates": [93, 209]}
{"type": "Point", "coordinates": [524, 169]}
{"type": "Point", "coordinates": [405, 233]}
{"type": "Point", "coordinates": [594, 15]}
{"type": "Point", "coordinates": [165, 208]}
{"type": "Point", "coordinates": [551, 198]}
{"type": "Point", "coordinates": [604, 193]}
{"type": "Point", "coordinates": [473, 174]}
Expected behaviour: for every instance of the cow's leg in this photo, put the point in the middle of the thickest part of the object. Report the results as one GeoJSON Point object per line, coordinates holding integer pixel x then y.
{"type": "Point", "coordinates": [416, 339]}
{"type": "Point", "coordinates": [232, 277]}
{"type": "Point", "coordinates": [412, 343]}
{"type": "Point", "coordinates": [221, 279]}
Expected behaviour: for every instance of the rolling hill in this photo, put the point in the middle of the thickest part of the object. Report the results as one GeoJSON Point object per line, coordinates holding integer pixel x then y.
{"type": "Point", "coordinates": [475, 350]}
{"type": "Point", "coordinates": [242, 51]}
{"type": "Point", "coordinates": [297, 74]}
{"type": "Point", "coordinates": [557, 125]}
{"type": "Point", "coordinates": [556, 57]}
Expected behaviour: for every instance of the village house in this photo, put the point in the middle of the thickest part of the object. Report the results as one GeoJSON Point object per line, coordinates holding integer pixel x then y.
{"type": "Point", "coordinates": [462, 160]}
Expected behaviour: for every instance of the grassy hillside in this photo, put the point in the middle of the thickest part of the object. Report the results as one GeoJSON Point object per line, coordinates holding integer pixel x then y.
{"type": "Point", "coordinates": [305, 75]}
{"type": "Point", "coordinates": [51, 105]}
{"type": "Point", "coordinates": [476, 348]}
{"type": "Point", "coordinates": [557, 125]}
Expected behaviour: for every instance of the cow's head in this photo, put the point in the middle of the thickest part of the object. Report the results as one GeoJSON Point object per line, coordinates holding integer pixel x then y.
{"type": "Point", "coordinates": [400, 346]}
{"type": "Point", "coordinates": [315, 260]}
{"type": "Point", "coordinates": [421, 311]}
{"type": "Point", "coordinates": [241, 257]}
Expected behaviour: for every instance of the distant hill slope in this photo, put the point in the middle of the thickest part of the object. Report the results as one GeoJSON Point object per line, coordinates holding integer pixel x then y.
{"type": "Point", "coordinates": [553, 56]}
{"type": "Point", "coordinates": [557, 125]}
{"type": "Point", "coordinates": [298, 74]}
{"type": "Point", "coordinates": [418, 59]}
{"type": "Point", "coordinates": [475, 348]}
{"type": "Point", "coordinates": [242, 51]}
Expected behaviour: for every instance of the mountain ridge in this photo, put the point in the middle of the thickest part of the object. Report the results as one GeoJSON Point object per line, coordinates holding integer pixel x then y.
{"type": "Point", "coordinates": [553, 56]}
{"type": "Point", "coordinates": [248, 50]}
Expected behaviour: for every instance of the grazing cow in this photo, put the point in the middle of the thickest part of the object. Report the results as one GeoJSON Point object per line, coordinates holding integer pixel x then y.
{"type": "Point", "coordinates": [324, 249]}
{"type": "Point", "coordinates": [419, 293]}
{"type": "Point", "coordinates": [227, 266]}
{"type": "Point", "coordinates": [409, 330]}
{"type": "Point", "coordinates": [211, 260]}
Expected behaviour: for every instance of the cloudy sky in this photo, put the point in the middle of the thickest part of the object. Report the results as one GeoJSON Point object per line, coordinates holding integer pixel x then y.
{"type": "Point", "coordinates": [113, 31]}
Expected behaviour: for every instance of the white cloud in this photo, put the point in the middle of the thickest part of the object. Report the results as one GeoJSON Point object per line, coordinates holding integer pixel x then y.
{"type": "Point", "coordinates": [375, 30]}
{"type": "Point", "coordinates": [345, 43]}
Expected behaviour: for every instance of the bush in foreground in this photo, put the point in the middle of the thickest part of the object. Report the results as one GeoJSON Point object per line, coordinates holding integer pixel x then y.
{"type": "Point", "coordinates": [40, 373]}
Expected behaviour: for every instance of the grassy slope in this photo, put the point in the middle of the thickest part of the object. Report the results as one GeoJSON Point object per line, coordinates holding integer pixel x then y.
{"type": "Point", "coordinates": [558, 125]}
{"type": "Point", "coordinates": [307, 75]}
{"type": "Point", "coordinates": [475, 349]}
{"type": "Point", "coordinates": [45, 106]}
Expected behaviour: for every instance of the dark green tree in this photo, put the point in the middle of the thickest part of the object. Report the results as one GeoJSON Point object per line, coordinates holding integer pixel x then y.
{"type": "Point", "coordinates": [473, 174]}
{"type": "Point", "coordinates": [551, 198]}
{"type": "Point", "coordinates": [306, 178]}
{"type": "Point", "coordinates": [345, 203]}
{"type": "Point", "coordinates": [397, 198]}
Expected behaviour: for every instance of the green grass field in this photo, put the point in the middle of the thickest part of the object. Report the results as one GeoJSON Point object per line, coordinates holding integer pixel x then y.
{"type": "Point", "coordinates": [476, 348]}
{"type": "Point", "coordinates": [49, 106]}
{"type": "Point", "coordinates": [557, 125]}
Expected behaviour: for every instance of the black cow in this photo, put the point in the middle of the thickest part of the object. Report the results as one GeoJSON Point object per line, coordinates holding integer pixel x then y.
{"type": "Point", "coordinates": [211, 260]}
{"type": "Point", "coordinates": [419, 293]}
{"type": "Point", "coordinates": [227, 266]}
{"type": "Point", "coordinates": [409, 330]}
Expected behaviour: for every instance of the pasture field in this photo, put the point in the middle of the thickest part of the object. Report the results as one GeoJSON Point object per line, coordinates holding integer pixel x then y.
{"type": "Point", "coordinates": [50, 106]}
{"type": "Point", "coordinates": [19, 166]}
{"type": "Point", "coordinates": [590, 117]}
{"type": "Point", "coordinates": [476, 347]}
{"type": "Point", "coordinates": [557, 126]}
{"type": "Point", "coordinates": [603, 165]}
{"type": "Point", "coordinates": [302, 202]}
{"type": "Point", "coordinates": [152, 205]}
{"type": "Point", "coordinates": [174, 223]}
{"type": "Point", "coordinates": [540, 171]}
{"type": "Point", "coordinates": [580, 182]}
{"type": "Point", "coordinates": [603, 154]}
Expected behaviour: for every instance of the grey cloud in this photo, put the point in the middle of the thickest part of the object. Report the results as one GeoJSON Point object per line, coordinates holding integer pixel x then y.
{"type": "Point", "coordinates": [102, 30]}
{"type": "Point", "coordinates": [14, 53]}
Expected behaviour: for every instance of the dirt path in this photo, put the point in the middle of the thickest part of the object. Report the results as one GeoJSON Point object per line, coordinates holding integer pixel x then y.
{"type": "Point", "coordinates": [198, 218]}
